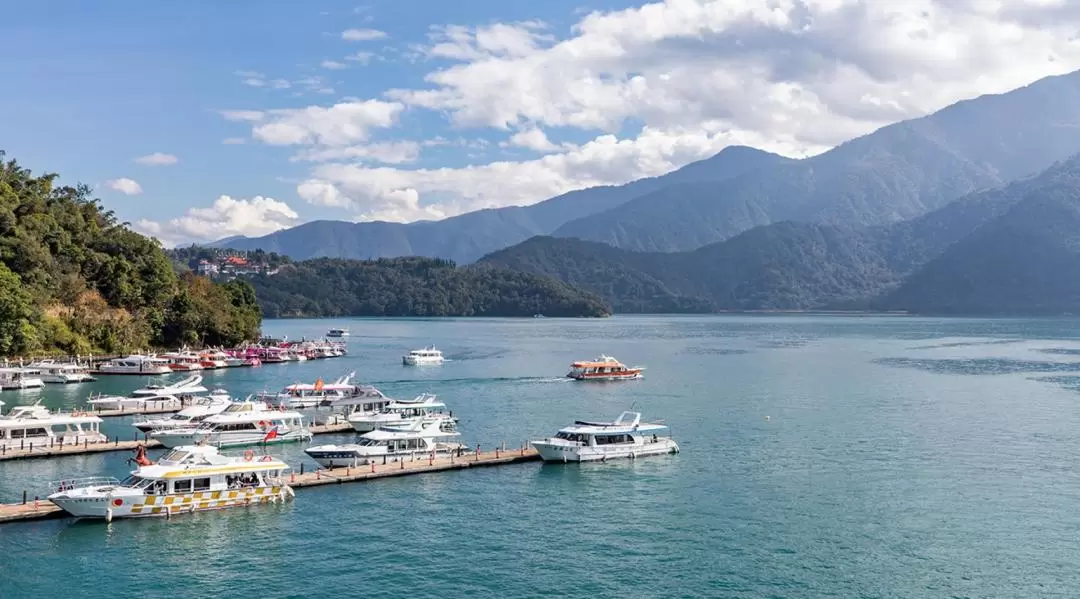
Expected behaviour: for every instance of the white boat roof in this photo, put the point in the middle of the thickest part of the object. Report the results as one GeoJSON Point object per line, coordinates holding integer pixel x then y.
{"type": "Point", "coordinates": [414, 432]}
{"type": "Point", "coordinates": [196, 460]}
{"type": "Point", "coordinates": [35, 414]}
{"type": "Point", "coordinates": [424, 400]}
{"type": "Point", "coordinates": [426, 351]}
{"type": "Point", "coordinates": [627, 422]}
{"type": "Point", "coordinates": [249, 411]}
{"type": "Point", "coordinates": [362, 394]}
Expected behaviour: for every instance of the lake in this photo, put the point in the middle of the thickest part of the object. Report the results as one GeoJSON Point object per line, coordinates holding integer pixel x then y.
{"type": "Point", "coordinates": [822, 456]}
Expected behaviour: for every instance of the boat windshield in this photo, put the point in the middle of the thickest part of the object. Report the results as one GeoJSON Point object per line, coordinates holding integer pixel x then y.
{"type": "Point", "coordinates": [175, 456]}
{"type": "Point", "coordinates": [239, 407]}
{"type": "Point", "coordinates": [370, 442]}
{"type": "Point", "coordinates": [579, 438]}
{"type": "Point", "coordinates": [137, 482]}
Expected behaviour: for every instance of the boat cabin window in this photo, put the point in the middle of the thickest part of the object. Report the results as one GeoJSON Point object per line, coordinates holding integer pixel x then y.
{"type": "Point", "coordinates": [201, 484]}
{"type": "Point", "coordinates": [572, 437]}
{"type": "Point", "coordinates": [159, 487]}
{"type": "Point", "coordinates": [182, 486]}
{"type": "Point", "coordinates": [26, 433]}
{"type": "Point", "coordinates": [613, 439]}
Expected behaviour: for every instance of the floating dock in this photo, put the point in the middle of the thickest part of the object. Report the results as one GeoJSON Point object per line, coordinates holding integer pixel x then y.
{"type": "Point", "coordinates": [40, 509]}
{"type": "Point", "coordinates": [58, 449]}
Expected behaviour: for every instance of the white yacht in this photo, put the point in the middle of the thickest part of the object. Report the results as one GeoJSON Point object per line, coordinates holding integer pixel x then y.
{"type": "Point", "coordinates": [626, 437]}
{"type": "Point", "coordinates": [364, 401]}
{"type": "Point", "coordinates": [152, 397]}
{"type": "Point", "coordinates": [337, 333]}
{"type": "Point", "coordinates": [53, 372]}
{"type": "Point", "coordinates": [399, 413]}
{"type": "Point", "coordinates": [34, 425]}
{"type": "Point", "coordinates": [241, 423]}
{"type": "Point", "coordinates": [20, 378]}
{"type": "Point", "coordinates": [135, 364]}
{"type": "Point", "coordinates": [186, 479]}
{"type": "Point", "coordinates": [310, 395]}
{"type": "Point", "coordinates": [391, 444]}
{"type": "Point", "coordinates": [189, 417]}
{"type": "Point", "coordinates": [422, 357]}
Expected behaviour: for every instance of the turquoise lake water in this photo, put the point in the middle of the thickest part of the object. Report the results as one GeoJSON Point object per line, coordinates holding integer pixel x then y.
{"type": "Point", "coordinates": [901, 457]}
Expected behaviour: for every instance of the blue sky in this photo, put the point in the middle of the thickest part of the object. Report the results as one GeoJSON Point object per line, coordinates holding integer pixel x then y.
{"type": "Point", "coordinates": [276, 114]}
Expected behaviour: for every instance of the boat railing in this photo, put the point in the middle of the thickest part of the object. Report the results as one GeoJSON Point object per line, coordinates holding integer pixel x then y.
{"type": "Point", "coordinates": [81, 483]}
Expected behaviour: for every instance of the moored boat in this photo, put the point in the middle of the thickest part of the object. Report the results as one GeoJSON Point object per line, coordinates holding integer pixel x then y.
{"type": "Point", "coordinates": [186, 479]}
{"type": "Point", "coordinates": [245, 422]}
{"type": "Point", "coordinates": [401, 413]}
{"type": "Point", "coordinates": [135, 364]}
{"type": "Point", "coordinates": [417, 441]}
{"type": "Point", "coordinates": [35, 426]}
{"type": "Point", "coordinates": [310, 395]}
{"type": "Point", "coordinates": [20, 378]}
{"type": "Point", "coordinates": [626, 437]}
{"type": "Point", "coordinates": [604, 368]}
{"type": "Point", "coordinates": [189, 417]}
{"type": "Point", "coordinates": [53, 372]}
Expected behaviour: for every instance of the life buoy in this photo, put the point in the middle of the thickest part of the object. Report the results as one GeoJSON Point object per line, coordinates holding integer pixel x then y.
{"type": "Point", "coordinates": [249, 455]}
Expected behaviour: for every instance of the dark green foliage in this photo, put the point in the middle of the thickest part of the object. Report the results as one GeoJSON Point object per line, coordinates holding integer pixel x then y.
{"type": "Point", "coordinates": [415, 287]}
{"type": "Point", "coordinates": [73, 279]}
{"type": "Point", "coordinates": [467, 237]}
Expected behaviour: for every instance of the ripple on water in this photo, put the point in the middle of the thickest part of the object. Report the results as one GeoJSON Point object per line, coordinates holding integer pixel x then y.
{"type": "Point", "coordinates": [979, 366]}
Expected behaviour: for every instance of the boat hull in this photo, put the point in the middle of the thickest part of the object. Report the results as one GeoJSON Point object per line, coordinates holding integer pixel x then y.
{"type": "Point", "coordinates": [622, 376]}
{"type": "Point", "coordinates": [141, 506]}
{"type": "Point", "coordinates": [177, 438]}
{"type": "Point", "coordinates": [565, 452]}
{"type": "Point", "coordinates": [343, 457]}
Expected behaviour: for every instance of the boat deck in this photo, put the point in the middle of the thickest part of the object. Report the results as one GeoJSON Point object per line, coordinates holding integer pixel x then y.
{"type": "Point", "coordinates": [39, 509]}
{"type": "Point", "coordinates": [55, 450]}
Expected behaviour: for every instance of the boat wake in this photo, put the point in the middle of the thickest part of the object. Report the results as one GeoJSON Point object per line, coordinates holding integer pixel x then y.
{"type": "Point", "coordinates": [504, 379]}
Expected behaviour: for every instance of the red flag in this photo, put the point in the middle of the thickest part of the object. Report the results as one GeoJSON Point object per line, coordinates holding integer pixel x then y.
{"type": "Point", "coordinates": [270, 435]}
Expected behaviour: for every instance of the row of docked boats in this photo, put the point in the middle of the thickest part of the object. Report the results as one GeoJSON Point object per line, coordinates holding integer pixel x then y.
{"type": "Point", "coordinates": [185, 360]}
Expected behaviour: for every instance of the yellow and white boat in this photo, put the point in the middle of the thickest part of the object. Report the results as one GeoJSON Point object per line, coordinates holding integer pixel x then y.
{"type": "Point", "coordinates": [187, 479]}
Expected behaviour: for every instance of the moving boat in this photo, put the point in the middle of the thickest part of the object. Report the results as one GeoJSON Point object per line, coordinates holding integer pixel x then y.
{"type": "Point", "coordinates": [421, 357]}
{"type": "Point", "coordinates": [53, 372]}
{"type": "Point", "coordinates": [186, 479]}
{"type": "Point", "coordinates": [20, 378]}
{"type": "Point", "coordinates": [247, 422]}
{"type": "Point", "coordinates": [604, 368]}
{"type": "Point", "coordinates": [34, 425]}
{"type": "Point", "coordinates": [626, 437]}
{"type": "Point", "coordinates": [135, 364]}
{"type": "Point", "coordinates": [310, 395]}
{"type": "Point", "coordinates": [189, 417]}
{"type": "Point", "coordinates": [390, 444]}
{"type": "Point", "coordinates": [401, 413]}
{"type": "Point", "coordinates": [337, 333]}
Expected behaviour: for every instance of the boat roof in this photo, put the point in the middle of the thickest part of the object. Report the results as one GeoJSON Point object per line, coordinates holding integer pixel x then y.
{"type": "Point", "coordinates": [626, 422]}
{"type": "Point", "coordinates": [31, 415]}
{"type": "Point", "coordinates": [187, 461]}
{"type": "Point", "coordinates": [413, 432]}
{"type": "Point", "coordinates": [362, 394]}
{"type": "Point", "coordinates": [601, 361]}
{"type": "Point", "coordinates": [424, 400]}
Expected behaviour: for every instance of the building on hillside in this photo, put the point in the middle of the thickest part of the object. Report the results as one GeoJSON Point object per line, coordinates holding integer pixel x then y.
{"type": "Point", "coordinates": [207, 268]}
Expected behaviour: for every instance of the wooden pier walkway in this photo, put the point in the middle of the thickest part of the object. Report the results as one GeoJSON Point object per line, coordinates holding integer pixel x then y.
{"type": "Point", "coordinates": [56, 450]}
{"type": "Point", "coordinates": [39, 509]}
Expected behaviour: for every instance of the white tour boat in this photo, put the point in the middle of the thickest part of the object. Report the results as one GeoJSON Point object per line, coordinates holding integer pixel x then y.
{"type": "Point", "coordinates": [364, 401]}
{"type": "Point", "coordinates": [20, 378]}
{"type": "Point", "coordinates": [242, 423]}
{"type": "Point", "coordinates": [35, 425]}
{"type": "Point", "coordinates": [189, 417]}
{"type": "Point", "coordinates": [186, 479]}
{"type": "Point", "coordinates": [390, 444]}
{"type": "Point", "coordinates": [153, 397]}
{"type": "Point", "coordinates": [401, 413]}
{"type": "Point", "coordinates": [53, 372]}
{"type": "Point", "coordinates": [135, 364]}
{"type": "Point", "coordinates": [421, 357]}
{"type": "Point", "coordinates": [337, 333]}
{"type": "Point", "coordinates": [626, 437]}
{"type": "Point", "coordinates": [604, 368]}
{"type": "Point", "coordinates": [310, 395]}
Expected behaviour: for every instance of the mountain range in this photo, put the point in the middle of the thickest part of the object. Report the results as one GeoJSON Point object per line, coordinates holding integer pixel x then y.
{"type": "Point", "coordinates": [899, 172]}
{"type": "Point", "coordinates": [1014, 249]}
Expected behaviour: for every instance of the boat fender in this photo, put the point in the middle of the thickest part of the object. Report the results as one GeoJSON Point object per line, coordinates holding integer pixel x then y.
{"type": "Point", "coordinates": [249, 455]}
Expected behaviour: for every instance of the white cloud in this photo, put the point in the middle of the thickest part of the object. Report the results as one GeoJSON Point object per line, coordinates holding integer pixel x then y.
{"type": "Point", "coordinates": [157, 159]}
{"type": "Point", "coordinates": [252, 82]}
{"type": "Point", "coordinates": [125, 186]}
{"type": "Point", "coordinates": [338, 125]}
{"type": "Point", "coordinates": [333, 65]}
{"type": "Point", "coordinates": [692, 76]}
{"type": "Point", "coordinates": [362, 35]}
{"type": "Point", "coordinates": [224, 218]}
{"type": "Point", "coordinates": [361, 57]}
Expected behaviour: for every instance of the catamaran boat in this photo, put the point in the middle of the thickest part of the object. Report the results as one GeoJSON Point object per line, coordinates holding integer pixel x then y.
{"type": "Point", "coordinates": [189, 417]}
{"type": "Point", "coordinates": [35, 425]}
{"type": "Point", "coordinates": [337, 333]}
{"type": "Point", "coordinates": [399, 413]}
{"type": "Point", "coordinates": [393, 444]}
{"type": "Point", "coordinates": [422, 357]}
{"type": "Point", "coordinates": [53, 372]}
{"type": "Point", "coordinates": [306, 395]}
{"type": "Point", "coordinates": [626, 437]}
{"type": "Point", "coordinates": [604, 368]}
{"type": "Point", "coordinates": [186, 479]}
{"type": "Point", "coordinates": [152, 397]}
{"type": "Point", "coordinates": [20, 378]}
{"type": "Point", "coordinates": [135, 364]}
{"type": "Point", "coordinates": [247, 422]}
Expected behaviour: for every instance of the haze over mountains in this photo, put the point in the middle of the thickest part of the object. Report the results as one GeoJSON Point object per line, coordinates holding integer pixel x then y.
{"type": "Point", "coordinates": [920, 216]}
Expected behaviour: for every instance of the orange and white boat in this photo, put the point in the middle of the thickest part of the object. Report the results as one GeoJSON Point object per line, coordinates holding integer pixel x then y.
{"type": "Point", "coordinates": [604, 368]}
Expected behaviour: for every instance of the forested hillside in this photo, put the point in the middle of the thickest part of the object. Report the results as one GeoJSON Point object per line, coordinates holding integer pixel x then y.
{"type": "Point", "coordinates": [416, 287]}
{"type": "Point", "coordinates": [75, 279]}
